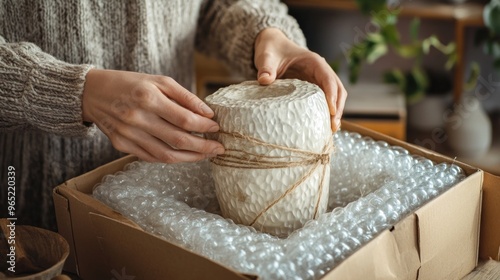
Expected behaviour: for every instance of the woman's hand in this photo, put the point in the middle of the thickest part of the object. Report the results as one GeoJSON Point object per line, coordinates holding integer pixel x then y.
{"type": "Point", "coordinates": [149, 116]}
{"type": "Point", "coordinates": [278, 57]}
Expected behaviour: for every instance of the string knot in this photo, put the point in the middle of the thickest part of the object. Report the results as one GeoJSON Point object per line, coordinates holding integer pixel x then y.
{"type": "Point", "coordinates": [324, 159]}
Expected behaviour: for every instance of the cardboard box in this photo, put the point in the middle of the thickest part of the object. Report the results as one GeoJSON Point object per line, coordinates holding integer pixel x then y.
{"type": "Point", "coordinates": [438, 241]}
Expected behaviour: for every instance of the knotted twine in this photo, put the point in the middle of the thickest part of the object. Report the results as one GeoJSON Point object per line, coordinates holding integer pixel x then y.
{"type": "Point", "coordinates": [236, 158]}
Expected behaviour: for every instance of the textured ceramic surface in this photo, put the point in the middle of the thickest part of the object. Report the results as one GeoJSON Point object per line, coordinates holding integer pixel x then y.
{"type": "Point", "coordinates": [288, 113]}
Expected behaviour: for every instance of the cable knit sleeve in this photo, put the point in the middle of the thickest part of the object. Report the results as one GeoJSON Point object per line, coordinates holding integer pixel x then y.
{"type": "Point", "coordinates": [39, 91]}
{"type": "Point", "coordinates": [228, 28]}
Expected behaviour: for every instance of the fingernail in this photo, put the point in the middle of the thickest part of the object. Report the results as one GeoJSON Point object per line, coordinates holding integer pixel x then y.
{"type": "Point", "coordinates": [218, 151]}
{"type": "Point", "coordinates": [205, 109]}
{"type": "Point", "coordinates": [264, 75]}
{"type": "Point", "coordinates": [214, 128]}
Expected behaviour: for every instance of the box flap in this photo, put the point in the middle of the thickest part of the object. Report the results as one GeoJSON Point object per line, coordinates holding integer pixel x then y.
{"type": "Point", "coordinates": [86, 247]}
{"type": "Point", "coordinates": [119, 241]}
{"type": "Point", "coordinates": [63, 217]}
{"type": "Point", "coordinates": [78, 204]}
{"type": "Point", "coordinates": [489, 246]}
{"type": "Point", "coordinates": [391, 255]}
{"type": "Point", "coordinates": [447, 251]}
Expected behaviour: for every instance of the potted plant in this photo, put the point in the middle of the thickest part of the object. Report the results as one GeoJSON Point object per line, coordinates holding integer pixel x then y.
{"type": "Point", "coordinates": [470, 131]}
{"type": "Point", "coordinates": [426, 91]}
{"type": "Point", "coordinates": [416, 83]}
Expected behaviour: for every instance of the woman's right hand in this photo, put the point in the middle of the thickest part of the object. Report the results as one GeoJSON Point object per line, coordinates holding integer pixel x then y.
{"type": "Point", "coordinates": [150, 116]}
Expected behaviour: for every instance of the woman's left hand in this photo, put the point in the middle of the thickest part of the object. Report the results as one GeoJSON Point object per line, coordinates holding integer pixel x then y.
{"type": "Point", "coordinates": [276, 56]}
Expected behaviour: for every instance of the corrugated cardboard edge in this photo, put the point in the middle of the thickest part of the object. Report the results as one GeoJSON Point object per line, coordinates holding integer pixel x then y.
{"type": "Point", "coordinates": [449, 232]}
{"type": "Point", "coordinates": [489, 241]}
{"type": "Point", "coordinates": [119, 241]}
{"type": "Point", "coordinates": [72, 209]}
{"type": "Point", "coordinates": [434, 223]}
{"type": "Point", "coordinates": [489, 247]}
{"type": "Point", "coordinates": [63, 218]}
{"type": "Point", "coordinates": [76, 213]}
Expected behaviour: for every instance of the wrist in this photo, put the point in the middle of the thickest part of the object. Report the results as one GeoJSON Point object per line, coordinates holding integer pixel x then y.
{"type": "Point", "coordinates": [89, 87]}
{"type": "Point", "coordinates": [270, 33]}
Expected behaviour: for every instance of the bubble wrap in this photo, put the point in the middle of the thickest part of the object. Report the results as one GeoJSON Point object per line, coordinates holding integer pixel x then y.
{"type": "Point", "coordinates": [373, 185]}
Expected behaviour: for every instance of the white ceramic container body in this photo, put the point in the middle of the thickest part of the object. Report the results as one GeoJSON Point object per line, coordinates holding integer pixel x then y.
{"type": "Point", "coordinates": [469, 129]}
{"type": "Point", "coordinates": [288, 113]}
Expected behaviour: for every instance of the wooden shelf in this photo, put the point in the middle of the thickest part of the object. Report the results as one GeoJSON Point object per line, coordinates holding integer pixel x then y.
{"type": "Point", "coordinates": [470, 13]}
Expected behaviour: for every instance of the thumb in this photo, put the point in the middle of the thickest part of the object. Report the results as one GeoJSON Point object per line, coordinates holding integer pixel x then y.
{"type": "Point", "coordinates": [266, 69]}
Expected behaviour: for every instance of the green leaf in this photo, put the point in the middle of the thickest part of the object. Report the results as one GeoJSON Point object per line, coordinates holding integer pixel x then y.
{"type": "Point", "coordinates": [452, 60]}
{"type": "Point", "coordinates": [426, 45]}
{"type": "Point", "coordinates": [376, 52]}
{"type": "Point", "coordinates": [375, 38]}
{"type": "Point", "coordinates": [390, 34]}
{"type": "Point", "coordinates": [491, 16]}
{"type": "Point", "coordinates": [471, 82]}
{"type": "Point", "coordinates": [409, 51]}
{"type": "Point", "coordinates": [445, 49]}
{"type": "Point", "coordinates": [371, 6]}
{"type": "Point", "coordinates": [385, 18]}
{"type": "Point", "coordinates": [396, 77]}
{"type": "Point", "coordinates": [414, 28]}
{"type": "Point", "coordinates": [416, 85]}
{"type": "Point", "coordinates": [421, 79]}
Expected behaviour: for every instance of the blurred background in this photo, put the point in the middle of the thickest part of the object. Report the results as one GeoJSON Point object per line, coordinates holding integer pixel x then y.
{"type": "Point", "coordinates": [426, 72]}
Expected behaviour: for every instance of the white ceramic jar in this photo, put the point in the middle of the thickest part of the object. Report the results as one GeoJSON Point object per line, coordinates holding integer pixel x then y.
{"type": "Point", "coordinates": [469, 129]}
{"type": "Point", "coordinates": [275, 173]}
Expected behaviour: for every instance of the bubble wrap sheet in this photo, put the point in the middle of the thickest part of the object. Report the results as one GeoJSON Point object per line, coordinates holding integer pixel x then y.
{"type": "Point", "coordinates": [373, 185]}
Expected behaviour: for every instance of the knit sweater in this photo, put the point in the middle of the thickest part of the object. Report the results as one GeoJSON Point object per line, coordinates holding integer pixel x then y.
{"type": "Point", "coordinates": [47, 48]}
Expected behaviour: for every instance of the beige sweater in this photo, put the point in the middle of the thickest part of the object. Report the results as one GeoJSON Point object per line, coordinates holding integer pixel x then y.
{"type": "Point", "coordinates": [47, 47]}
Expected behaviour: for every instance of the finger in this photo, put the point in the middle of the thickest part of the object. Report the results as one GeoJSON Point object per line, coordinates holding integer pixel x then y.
{"type": "Point", "coordinates": [341, 100]}
{"type": "Point", "coordinates": [150, 123]}
{"type": "Point", "coordinates": [156, 100]}
{"type": "Point", "coordinates": [184, 97]}
{"type": "Point", "coordinates": [335, 92]}
{"type": "Point", "coordinates": [267, 65]}
{"type": "Point", "coordinates": [178, 138]}
{"type": "Point", "coordinates": [185, 119]}
{"type": "Point", "coordinates": [160, 150]}
{"type": "Point", "coordinates": [330, 88]}
{"type": "Point", "coordinates": [328, 81]}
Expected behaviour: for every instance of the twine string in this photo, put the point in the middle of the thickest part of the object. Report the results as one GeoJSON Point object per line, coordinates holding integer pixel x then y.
{"type": "Point", "coordinates": [246, 160]}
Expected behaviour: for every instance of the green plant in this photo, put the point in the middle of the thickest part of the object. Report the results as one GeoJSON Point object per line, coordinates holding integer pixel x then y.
{"type": "Point", "coordinates": [489, 36]}
{"type": "Point", "coordinates": [374, 45]}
